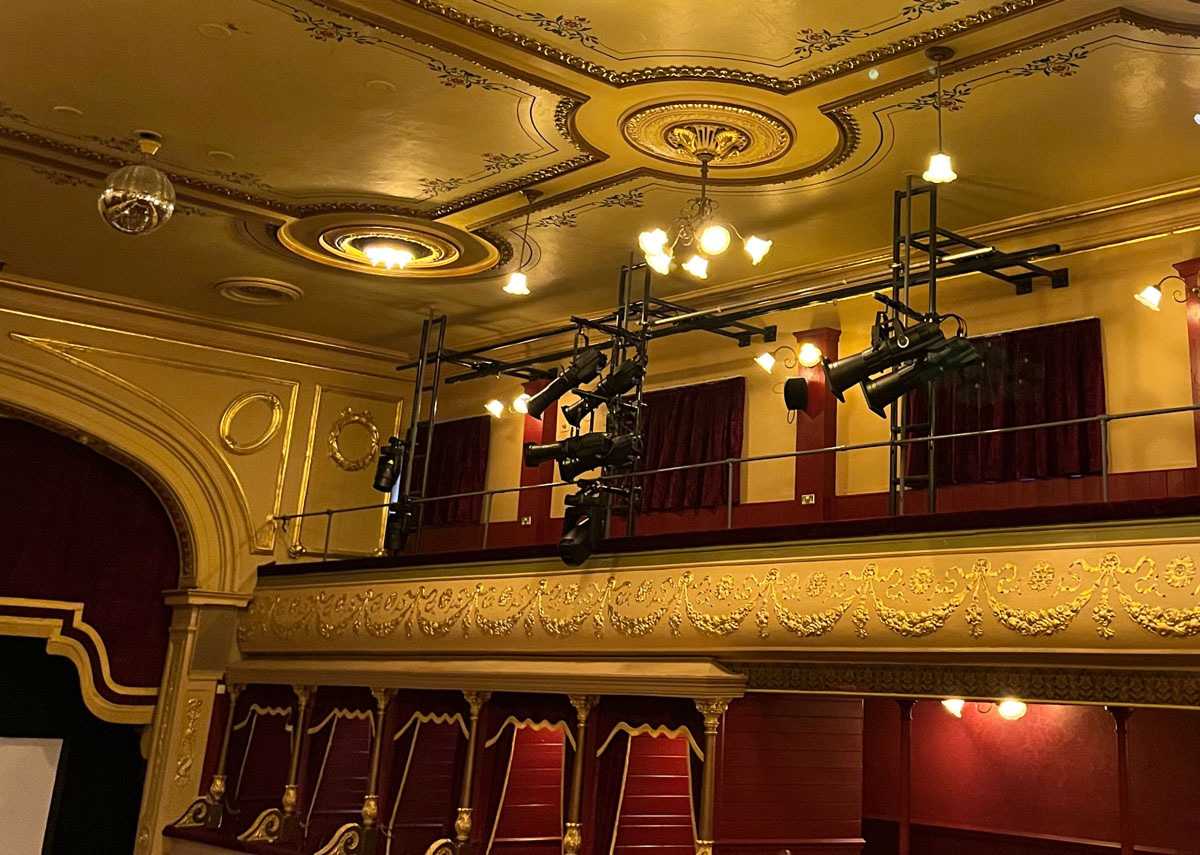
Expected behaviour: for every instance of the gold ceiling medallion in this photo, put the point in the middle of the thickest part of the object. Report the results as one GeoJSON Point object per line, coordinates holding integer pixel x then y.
{"type": "Point", "coordinates": [389, 245]}
{"type": "Point", "coordinates": [258, 291]}
{"type": "Point", "coordinates": [687, 132]}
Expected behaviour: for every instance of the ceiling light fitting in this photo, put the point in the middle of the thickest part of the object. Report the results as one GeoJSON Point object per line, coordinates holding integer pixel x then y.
{"type": "Point", "coordinates": [138, 199]}
{"type": "Point", "coordinates": [1151, 296]}
{"type": "Point", "coordinates": [941, 168]}
{"type": "Point", "coordinates": [697, 226]}
{"type": "Point", "coordinates": [518, 282]}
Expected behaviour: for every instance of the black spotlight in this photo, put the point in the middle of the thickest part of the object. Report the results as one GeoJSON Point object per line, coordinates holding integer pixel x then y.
{"type": "Point", "coordinates": [883, 353]}
{"type": "Point", "coordinates": [390, 465]}
{"type": "Point", "coordinates": [621, 450]}
{"type": "Point", "coordinates": [588, 445]}
{"type": "Point", "coordinates": [954, 355]}
{"type": "Point", "coordinates": [401, 522]}
{"type": "Point", "coordinates": [583, 525]}
{"type": "Point", "coordinates": [620, 381]}
{"type": "Point", "coordinates": [586, 367]}
{"type": "Point", "coordinates": [795, 393]}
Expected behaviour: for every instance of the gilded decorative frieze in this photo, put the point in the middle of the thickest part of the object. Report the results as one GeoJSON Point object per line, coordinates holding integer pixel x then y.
{"type": "Point", "coordinates": [1113, 599]}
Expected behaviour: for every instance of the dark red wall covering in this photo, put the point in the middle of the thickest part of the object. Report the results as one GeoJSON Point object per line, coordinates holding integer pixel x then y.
{"type": "Point", "coordinates": [790, 775]}
{"type": "Point", "coordinates": [79, 527]}
{"type": "Point", "coordinates": [1050, 775]}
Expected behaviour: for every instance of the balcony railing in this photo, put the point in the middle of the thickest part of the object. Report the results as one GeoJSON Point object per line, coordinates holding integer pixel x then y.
{"type": "Point", "coordinates": [1104, 421]}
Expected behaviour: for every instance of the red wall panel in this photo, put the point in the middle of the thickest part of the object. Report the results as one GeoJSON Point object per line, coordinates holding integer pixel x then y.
{"type": "Point", "coordinates": [1051, 773]}
{"type": "Point", "coordinates": [790, 772]}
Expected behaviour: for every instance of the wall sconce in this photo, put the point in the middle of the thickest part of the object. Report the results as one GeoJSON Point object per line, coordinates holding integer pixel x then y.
{"type": "Point", "coordinates": [1151, 296]}
{"type": "Point", "coordinates": [809, 356]}
{"type": "Point", "coordinates": [519, 405]}
{"type": "Point", "coordinates": [1009, 709]}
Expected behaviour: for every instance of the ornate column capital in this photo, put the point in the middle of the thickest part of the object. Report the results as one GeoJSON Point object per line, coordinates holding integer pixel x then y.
{"type": "Point", "coordinates": [462, 824]}
{"type": "Point", "coordinates": [383, 697]}
{"type": "Point", "coordinates": [573, 839]}
{"type": "Point", "coordinates": [583, 706]}
{"type": "Point", "coordinates": [476, 700]}
{"type": "Point", "coordinates": [712, 709]}
{"type": "Point", "coordinates": [303, 694]}
{"type": "Point", "coordinates": [233, 690]}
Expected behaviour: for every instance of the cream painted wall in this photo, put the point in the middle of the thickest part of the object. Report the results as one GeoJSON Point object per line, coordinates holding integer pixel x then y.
{"type": "Point", "coordinates": [1145, 355]}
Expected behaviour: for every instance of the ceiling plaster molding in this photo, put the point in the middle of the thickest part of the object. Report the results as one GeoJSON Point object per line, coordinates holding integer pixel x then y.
{"type": "Point", "coordinates": [849, 139]}
{"type": "Point", "coordinates": [1111, 17]}
{"type": "Point", "coordinates": [89, 303]}
{"type": "Point", "coordinates": [967, 24]}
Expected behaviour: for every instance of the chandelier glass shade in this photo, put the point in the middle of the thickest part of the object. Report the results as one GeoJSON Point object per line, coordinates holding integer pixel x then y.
{"type": "Point", "coordinates": [698, 227]}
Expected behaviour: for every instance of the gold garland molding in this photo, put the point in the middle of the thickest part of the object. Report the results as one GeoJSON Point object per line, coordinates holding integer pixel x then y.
{"type": "Point", "coordinates": [912, 603]}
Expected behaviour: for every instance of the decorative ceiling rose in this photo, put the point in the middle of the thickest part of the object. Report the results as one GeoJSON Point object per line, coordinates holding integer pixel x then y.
{"type": "Point", "coordinates": [388, 245]}
{"type": "Point", "coordinates": [728, 135]}
{"type": "Point", "coordinates": [257, 291]}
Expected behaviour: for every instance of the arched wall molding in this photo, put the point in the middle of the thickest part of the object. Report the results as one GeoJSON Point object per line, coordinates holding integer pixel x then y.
{"type": "Point", "coordinates": [197, 491]}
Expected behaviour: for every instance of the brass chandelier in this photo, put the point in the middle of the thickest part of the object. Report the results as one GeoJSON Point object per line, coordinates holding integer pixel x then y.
{"type": "Point", "coordinates": [697, 227]}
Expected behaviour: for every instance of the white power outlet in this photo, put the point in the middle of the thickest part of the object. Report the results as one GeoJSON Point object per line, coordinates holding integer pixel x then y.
{"type": "Point", "coordinates": [808, 499]}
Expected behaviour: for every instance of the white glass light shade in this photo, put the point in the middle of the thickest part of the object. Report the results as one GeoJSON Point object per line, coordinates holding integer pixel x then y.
{"type": "Point", "coordinates": [521, 403]}
{"type": "Point", "coordinates": [757, 248]}
{"type": "Point", "coordinates": [660, 262]}
{"type": "Point", "coordinates": [714, 240]}
{"type": "Point", "coordinates": [766, 361]}
{"type": "Point", "coordinates": [954, 706]}
{"type": "Point", "coordinates": [518, 283]}
{"type": "Point", "coordinates": [697, 265]}
{"type": "Point", "coordinates": [495, 408]}
{"type": "Point", "coordinates": [653, 242]}
{"type": "Point", "coordinates": [1150, 297]}
{"type": "Point", "coordinates": [1010, 709]}
{"type": "Point", "coordinates": [388, 256]}
{"type": "Point", "coordinates": [810, 355]}
{"type": "Point", "coordinates": [137, 199]}
{"type": "Point", "coordinates": [941, 169]}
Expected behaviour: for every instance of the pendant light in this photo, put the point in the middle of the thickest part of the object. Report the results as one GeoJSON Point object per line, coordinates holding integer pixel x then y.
{"type": "Point", "coordinates": [941, 168]}
{"type": "Point", "coordinates": [139, 198]}
{"type": "Point", "coordinates": [518, 282]}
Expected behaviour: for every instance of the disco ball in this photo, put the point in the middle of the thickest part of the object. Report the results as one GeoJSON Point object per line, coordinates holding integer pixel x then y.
{"type": "Point", "coordinates": [137, 199]}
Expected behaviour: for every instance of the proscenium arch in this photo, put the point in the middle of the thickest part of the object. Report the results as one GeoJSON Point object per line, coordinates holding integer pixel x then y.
{"type": "Point", "coordinates": [214, 540]}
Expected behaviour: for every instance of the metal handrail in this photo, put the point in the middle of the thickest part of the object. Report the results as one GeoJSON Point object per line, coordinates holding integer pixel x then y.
{"type": "Point", "coordinates": [1104, 419]}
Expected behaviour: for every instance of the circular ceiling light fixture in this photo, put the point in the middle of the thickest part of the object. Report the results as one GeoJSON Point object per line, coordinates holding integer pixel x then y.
{"type": "Point", "coordinates": [138, 199]}
{"type": "Point", "coordinates": [388, 245]}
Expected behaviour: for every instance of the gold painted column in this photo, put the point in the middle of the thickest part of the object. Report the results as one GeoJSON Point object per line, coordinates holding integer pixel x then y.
{"type": "Point", "coordinates": [573, 838]}
{"type": "Point", "coordinates": [462, 823]}
{"type": "Point", "coordinates": [208, 811]}
{"type": "Point", "coordinates": [370, 808]}
{"type": "Point", "coordinates": [201, 636]}
{"type": "Point", "coordinates": [712, 709]}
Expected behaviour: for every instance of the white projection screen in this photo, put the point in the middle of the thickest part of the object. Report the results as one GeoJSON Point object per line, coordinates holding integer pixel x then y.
{"type": "Point", "coordinates": [28, 768]}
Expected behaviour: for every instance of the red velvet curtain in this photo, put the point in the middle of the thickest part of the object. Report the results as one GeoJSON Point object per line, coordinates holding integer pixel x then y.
{"type": "Point", "coordinates": [692, 424]}
{"type": "Point", "coordinates": [80, 527]}
{"type": "Point", "coordinates": [458, 465]}
{"type": "Point", "coordinates": [1041, 374]}
{"type": "Point", "coordinates": [602, 788]}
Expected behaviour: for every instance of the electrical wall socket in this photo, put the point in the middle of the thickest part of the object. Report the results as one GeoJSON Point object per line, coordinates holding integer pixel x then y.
{"type": "Point", "coordinates": [526, 520]}
{"type": "Point", "coordinates": [808, 499]}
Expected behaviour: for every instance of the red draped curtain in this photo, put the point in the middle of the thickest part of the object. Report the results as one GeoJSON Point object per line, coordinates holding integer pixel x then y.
{"type": "Point", "coordinates": [458, 464]}
{"type": "Point", "coordinates": [692, 424]}
{"type": "Point", "coordinates": [1040, 374]}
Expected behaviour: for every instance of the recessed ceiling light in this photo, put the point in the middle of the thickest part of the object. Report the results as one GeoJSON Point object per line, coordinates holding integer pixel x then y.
{"type": "Point", "coordinates": [215, 31]}
{"type": "Point", "coordinates": [873, 73]}
{"type": "Point", "coordinates": [67, 109]}
{"type": "Point", "coordinates": [217, 154]}
{"type": "Point", "coordinates": [381, 85]}
{"type": "Point", "coordinates": [258, 291]}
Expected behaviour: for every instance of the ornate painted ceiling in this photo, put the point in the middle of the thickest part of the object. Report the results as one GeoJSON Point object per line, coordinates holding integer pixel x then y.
{"type": "Point", "coordinates": [287, 123]}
